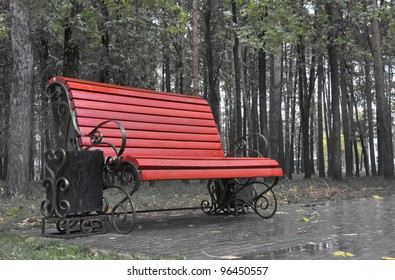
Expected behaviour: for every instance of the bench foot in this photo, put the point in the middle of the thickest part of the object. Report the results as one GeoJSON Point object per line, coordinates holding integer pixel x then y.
{"type": "Point", "coordinates": [118, 203]}
{"type": "Point", "coordinates": [237, 196]}
{"type": "Point", "coordinates": [74, 226]}
{"type": "Point", "coordinates": [122, 214]}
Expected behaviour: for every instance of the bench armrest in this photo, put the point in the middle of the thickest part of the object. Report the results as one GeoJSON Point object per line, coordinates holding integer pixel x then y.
{"type": "Point", "coordinates": [246, 144]}
{"type": "Point", "coordinates": [96, 137]}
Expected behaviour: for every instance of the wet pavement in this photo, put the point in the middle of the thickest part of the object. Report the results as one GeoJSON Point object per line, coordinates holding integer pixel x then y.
{"type": "Point", "coordinates": [354, 229]}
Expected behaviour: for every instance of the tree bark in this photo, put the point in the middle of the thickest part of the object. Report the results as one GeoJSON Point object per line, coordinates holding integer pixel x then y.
{"type": "Point", "coordinates": [237, 77]}
{"type": "Point", "coordinates": [195, 48]}
{"type": "Point", "coordinates": [105, 43]}
{"type": "Point", "coordinates": [320, 136]}
{"type": "Point", "coordinates": [384, 122]}
{"type": "Point", "coordinates": [213, 96]}
{"type": "Point", "coordinates": [19, 139]}
{"type": "Point", "coordinates": [304, 107]}
{"type": "Point", "coordinates": [368, 96]}
{"type": "Point", "coordinates": [275, 123]}
{"type": "Point", "coordinates": [71, 51]}
{"type": "Point", "coordinates": [334, 71]}
{"type": "Point", "coordinates": [345, 118]}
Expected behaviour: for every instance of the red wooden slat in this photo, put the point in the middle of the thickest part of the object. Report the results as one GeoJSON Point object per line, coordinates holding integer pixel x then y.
{"type": "Point", "coordinates": [157, 175]}
{"type": "Point", "coordinates": [81, 112]}
{"type": "Point", "coordinates": [154, 127]}
{"type": "Point", "coordinates": [136, 93]}
{"type": "Point", "coordinates": [105, 106]}
{"type": "Point", "coordinates": [66, 81]}
{"type": "Point", "coordinates": [168, 153]}
{"type": "Point", "coordinates": [182, 163]}
{"type": "Point", "coordinates": [136, 134]}
{"type": "Point", "coordinates": [106, 97]}
{"type": "Point", "coordinates": [161, 144]}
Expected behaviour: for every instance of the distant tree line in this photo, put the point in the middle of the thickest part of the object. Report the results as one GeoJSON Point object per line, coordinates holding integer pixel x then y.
{"type": "Point", "coordinates": [315, 76]}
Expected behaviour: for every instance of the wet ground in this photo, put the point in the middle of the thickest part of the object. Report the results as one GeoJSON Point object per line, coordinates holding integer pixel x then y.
{"type": "Point", "coordinates": [361, 228]}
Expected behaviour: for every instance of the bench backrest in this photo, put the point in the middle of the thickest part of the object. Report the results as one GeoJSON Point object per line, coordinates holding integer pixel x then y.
{"type": "Point", "coordinates": [158, 124]}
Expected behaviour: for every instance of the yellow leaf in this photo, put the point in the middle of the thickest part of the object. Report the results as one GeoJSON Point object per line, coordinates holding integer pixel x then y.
{"type": "Point", "coordinates": [342, 254]}
{"type": "Point", "coordinates": [300, 211]}
{"type": "Point", "coordinates": [377, 197]}
{"type": "Point", "coordinates": [229, 257]}
{"type": "Point", "coordinates": [222, 257]}
{"type": "Point", "coordinates": [388, 258]}
{"type": "Point", "coordinates": [30, 239]}
{"type": "Point", "coordinates": [304, 219]}
{"type": "Point", "coordinates": [13, 211]}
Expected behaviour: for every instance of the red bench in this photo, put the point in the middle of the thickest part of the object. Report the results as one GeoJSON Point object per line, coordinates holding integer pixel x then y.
{"type": "Point", "coordinates": [149, 136]}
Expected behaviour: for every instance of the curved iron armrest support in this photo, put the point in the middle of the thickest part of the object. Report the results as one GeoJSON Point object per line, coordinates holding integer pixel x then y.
{"type": "Point", "coordinates": [243, 144]}
{"type": "Point", "coordinates": [96, 137]}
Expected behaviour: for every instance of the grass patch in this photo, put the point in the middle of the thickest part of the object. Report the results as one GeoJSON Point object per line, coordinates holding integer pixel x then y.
{"type": "Point", "coordinates": [30, 248]}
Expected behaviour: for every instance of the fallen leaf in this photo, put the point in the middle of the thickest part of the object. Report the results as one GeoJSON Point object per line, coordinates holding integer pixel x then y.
{"type": "Point", "coordinates": [350, 234]}
{"type": "Point", "coordinates": [377, 197]}
{"type": "Point", "coordinates": [388, 258]}
{"type": "Point", "coordinates": [304, 219]}
{"type": "Point", "coordinates": [30, 239]}
{"type": "Point", "coordinates": [342, 254]}
{"type": "Point", "coordinates": [229, 257]}
{"type": "Point", "coordinates": [280, 212]}
{"type": "Point", "coordinates": [112, 238]}
{"type": "Point", "coordinates": [222, 257]}
{"type": "Point", "coordinates": [13, 211]}
{"type": "Point", "coordinates": [300, 211]}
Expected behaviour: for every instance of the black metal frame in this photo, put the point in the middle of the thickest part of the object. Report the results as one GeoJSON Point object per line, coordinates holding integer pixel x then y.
{"type": "Point", "coordinates": [121, 215]}
{"type": "Point", "coordinates": [227, 196]}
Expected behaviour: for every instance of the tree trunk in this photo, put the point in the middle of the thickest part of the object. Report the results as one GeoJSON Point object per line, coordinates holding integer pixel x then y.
{"type": "Point", "coordinates": [195, 48]}
{"type": "Point", "coordinates": [262, 91]}
{"type": "Point", "coordinates": [291, 168]}
{"type": "Point", "coordinates": [345, 118]}
{"type": "Point", "coordinates": [384, 122]}
{"type": "Point", "coordinates": [71, 51]}
{"type": "Point", "coordinates": [288, 97]}
{"type": "Point", "coordinates": [19, 139]}
{"type": "Point", "coordinates": [320, 136]}
{"type": "Point", "coordinates": [368, 96]}
{"type": "Point", "coordinates": [105, 43]}
{"type": "Point", "coordinates": [304, 107]}
{"type": "Point", "coordinates": [275, 122]}
{"type": "Point", "coordinates": [334, 70]}
{"type": "Point", "coordinates": [237, 77]}
{"type": "Point", "coordinates": [213, 96]}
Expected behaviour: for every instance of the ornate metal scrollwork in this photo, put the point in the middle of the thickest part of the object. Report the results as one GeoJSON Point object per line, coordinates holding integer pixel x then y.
{"type": "Point", "coordinates": [57, 209]}
{"type": "Point", "coordinates": [253, 144]}
{"type": "Point", "coordinates": [66, 128]}
{"type": "Point", "coordinates": [233, 197]}
{"type": "Point", "coordinates": [121, 211]}
{"type": "Point", "coordinates": [55, 162]}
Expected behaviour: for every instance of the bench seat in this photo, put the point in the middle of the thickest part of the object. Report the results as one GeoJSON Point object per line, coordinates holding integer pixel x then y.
{"type": "Point", "coordinates": [151, 168]}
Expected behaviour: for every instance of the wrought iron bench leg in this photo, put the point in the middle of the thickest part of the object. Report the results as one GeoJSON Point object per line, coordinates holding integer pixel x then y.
{"type": "Point", "coordinates": [237, 196]}
{"type": "Point", "coordinates": [122, 214]}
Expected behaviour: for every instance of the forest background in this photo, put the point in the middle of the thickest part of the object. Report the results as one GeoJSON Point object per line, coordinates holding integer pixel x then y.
{"type": "Point", "coordinates": [316, 77]}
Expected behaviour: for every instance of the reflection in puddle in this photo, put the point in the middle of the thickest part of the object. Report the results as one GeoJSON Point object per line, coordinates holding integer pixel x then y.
{"type": "Point", "coordinates": [309, 249]}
